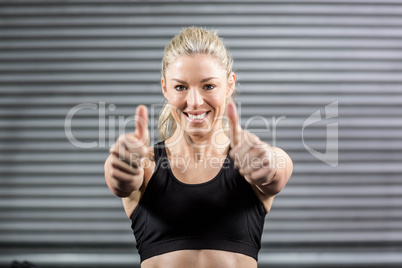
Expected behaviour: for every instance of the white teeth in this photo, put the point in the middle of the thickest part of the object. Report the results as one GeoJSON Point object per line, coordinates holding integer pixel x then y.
{"type": "Point", "coordinates": [197, 117]}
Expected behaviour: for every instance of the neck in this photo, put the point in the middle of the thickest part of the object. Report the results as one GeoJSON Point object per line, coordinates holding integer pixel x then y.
{"type": "Point", "coordinates": [198, 147]}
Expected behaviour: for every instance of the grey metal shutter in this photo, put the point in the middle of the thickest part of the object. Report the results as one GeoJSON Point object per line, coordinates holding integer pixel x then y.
{"type": "Point", "coordinates": [341, 208]}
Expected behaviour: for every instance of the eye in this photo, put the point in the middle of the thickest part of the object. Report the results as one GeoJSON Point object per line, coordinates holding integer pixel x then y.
{"type": "Point", "coordinates": [209, 87]}
{"type": "Point", "coordinates": [180, 88]}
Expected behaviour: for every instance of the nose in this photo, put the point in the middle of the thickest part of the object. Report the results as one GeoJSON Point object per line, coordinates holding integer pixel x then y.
{"type": "Point", "coordinates": [194, 98]}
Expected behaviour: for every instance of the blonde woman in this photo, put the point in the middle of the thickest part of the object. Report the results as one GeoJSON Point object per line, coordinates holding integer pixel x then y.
{"type": "Point", "coordinates": [199, 197]}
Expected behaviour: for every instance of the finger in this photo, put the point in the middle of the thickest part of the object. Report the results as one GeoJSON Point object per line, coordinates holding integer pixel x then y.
{"type": "Point", "coordinates": [255, 161]}
{"type": "Point", "coordinates": [141, 124]}
{"type": "Point", "coordinates": [121, 176]}
{"type": "Point", "coordinates": [260, 175]}
{"type": "Point", "coordinates": [128, 149]}
{"type": "Point", "coordinates": [123, 166]}
{"type": "Point", "coordinates": [248, 143]}
{"type": "Point", "coordinates": [235, 128]}
{"type": "Point", "coordinates": [249, 140]}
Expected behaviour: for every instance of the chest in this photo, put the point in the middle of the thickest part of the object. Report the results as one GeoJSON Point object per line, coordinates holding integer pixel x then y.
{"type": "Point", "coordinates": [209, 206]}
{"type": "Point", "coordinates": [189, 171]}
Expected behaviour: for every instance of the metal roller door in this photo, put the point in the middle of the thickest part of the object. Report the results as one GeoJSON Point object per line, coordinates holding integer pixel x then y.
{"type": "Point", "coordinates": [325, 77]}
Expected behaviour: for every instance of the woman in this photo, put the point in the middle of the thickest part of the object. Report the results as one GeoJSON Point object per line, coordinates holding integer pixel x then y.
{"type": "Point", "coordinates": [199, 197]}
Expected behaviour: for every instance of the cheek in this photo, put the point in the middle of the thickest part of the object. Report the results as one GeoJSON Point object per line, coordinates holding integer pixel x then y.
{"type": "Point", "coordinates": [218, 102]}
{"type": "Point", "coordinates": [176, 101]}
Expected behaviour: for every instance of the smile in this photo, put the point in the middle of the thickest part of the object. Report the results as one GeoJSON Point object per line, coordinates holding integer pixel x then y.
{"type": "Point", "coordinates": [197, 118]}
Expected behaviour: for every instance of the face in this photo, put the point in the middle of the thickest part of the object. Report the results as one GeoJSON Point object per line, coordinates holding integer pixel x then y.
{"type": "Point", "coordinates": [196, 88]}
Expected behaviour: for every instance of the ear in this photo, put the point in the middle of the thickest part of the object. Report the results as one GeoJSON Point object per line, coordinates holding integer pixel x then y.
{"type": "Point", "coordinates": [164, 90]}
{"type": "Point", "coordinates": [231, 84]}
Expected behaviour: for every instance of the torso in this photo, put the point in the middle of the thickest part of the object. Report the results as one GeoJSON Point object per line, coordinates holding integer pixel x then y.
{"type": "Point", "coordinates": [192, 258]}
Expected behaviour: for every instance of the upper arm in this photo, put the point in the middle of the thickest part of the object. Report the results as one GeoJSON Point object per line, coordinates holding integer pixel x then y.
{"type": "Point", "coordinates": [131, 202]}
{"type": "Point", "coordinates": [266, 200]}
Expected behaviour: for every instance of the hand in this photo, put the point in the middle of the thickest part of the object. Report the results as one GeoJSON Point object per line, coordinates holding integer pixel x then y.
{"type": "Point", "coordinates": [125, 165]}
{"type": "Point", "coordinates": [252, 157]}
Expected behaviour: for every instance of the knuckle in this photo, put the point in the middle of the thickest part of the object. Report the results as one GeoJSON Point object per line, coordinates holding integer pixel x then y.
{"type": "Point", "coordinates": [121, 139]}
{"type": "Point", "coordinates": [133, 143]}
{"type": "Point", "coordinates": [112, 148]}
{"type": "Point", "coordinates": [131, 137]}
{"type": "Point", "coordinates": [114, 173]}
{"type": "Point", "coordinates": [113, 158]}
{"type": "Point", "coordinates": [120, 143]}
{"type": "Point", "coordinates": [134, 164]}
{"type": "Point", "coordinates": [126, 138]}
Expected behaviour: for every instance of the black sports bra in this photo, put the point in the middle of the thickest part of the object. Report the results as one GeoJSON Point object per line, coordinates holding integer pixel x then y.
{"type": "Point", "coordinates": [223, 213]}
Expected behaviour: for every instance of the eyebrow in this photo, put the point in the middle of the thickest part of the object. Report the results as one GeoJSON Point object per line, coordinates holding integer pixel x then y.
{"type": "Point", "coordinates": [202, 81]}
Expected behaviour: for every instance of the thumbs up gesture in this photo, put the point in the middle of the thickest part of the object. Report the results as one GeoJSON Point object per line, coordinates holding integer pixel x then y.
{"type": "Point", "coordinates": [124, 168]}
{"type": "Point", "coordinates": [253, 157]}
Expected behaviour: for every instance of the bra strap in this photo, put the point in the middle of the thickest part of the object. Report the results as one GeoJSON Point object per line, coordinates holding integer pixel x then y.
{"type": "Point", "coordinates": [159, 148]}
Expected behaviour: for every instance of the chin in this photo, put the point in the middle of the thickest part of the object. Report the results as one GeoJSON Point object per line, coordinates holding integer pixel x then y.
{"type": "Point", "coordinates": [198, 133]}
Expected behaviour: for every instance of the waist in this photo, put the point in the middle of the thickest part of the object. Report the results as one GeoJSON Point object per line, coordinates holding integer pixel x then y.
{"type": "Point", "coordinates": [204, 258]}
{"type": "Point", "coordinates": [225, 245]}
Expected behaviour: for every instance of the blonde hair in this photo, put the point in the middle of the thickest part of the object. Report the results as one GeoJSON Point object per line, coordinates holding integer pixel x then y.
{"type": "Point", "coordinates": [190, 41]}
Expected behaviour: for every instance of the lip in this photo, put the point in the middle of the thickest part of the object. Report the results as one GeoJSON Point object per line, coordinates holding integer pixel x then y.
{"type": "Point", "coordinates": [197, 113]}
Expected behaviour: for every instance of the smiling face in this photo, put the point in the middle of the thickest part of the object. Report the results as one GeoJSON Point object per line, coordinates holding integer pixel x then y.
{"type": "Point", "coordinates": [196, 87]}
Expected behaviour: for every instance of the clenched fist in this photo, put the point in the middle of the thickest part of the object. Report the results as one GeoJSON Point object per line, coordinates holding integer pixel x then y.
{"type": "Point", "coordinates": [124, 168]}
{"type": "Point", "coordinates": [268, 168]}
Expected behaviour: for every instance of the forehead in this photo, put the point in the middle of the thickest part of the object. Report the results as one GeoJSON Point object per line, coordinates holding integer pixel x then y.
{"type": "Point", "coordinates": [195, 66]}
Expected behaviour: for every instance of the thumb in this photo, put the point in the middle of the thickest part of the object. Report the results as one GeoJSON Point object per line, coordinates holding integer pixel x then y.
{"type": "Point", "coordinates": [141, 124]}
{"type": "Point", "coordinates": [235, 128]}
